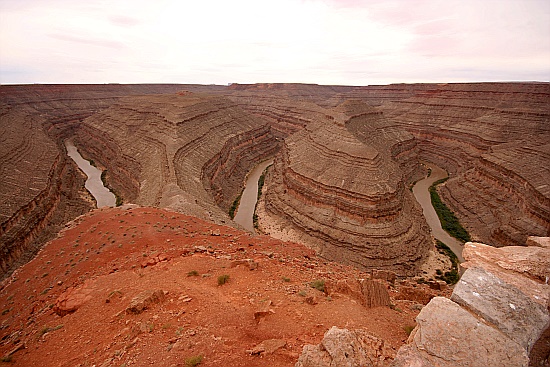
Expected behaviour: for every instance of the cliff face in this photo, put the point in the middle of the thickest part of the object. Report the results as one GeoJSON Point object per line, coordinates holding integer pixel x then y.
{"type": "Point", "coordinates": [187, 152]}
{"type": "Point", "coordinates": [345, 198]}
{"type": "Point", "coordinates": [505, 288]}
{"type": "Point", "coordinates": [493, 138]}
{"type": "Point", "coordinates": [40, 187]}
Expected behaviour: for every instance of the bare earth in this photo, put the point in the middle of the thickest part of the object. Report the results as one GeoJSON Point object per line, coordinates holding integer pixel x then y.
{"type": "Point", "coordinates": [104, 253]}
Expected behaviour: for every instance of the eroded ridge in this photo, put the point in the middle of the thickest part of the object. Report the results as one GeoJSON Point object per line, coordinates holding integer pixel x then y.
{"type": "Point", "coordinates": [493, 139]}
{"type": "Point", "coordinates": [346, 199]}
{"type": "Point", "coordinates": [189, 152]}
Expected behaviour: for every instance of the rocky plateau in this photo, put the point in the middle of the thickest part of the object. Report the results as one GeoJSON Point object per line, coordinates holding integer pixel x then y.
{"type": "Point", "coordinates": [110, 287]}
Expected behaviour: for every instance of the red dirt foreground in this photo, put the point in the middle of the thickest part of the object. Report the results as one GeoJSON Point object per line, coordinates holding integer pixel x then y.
{"type": "Point", "coordinates": [142, 286]}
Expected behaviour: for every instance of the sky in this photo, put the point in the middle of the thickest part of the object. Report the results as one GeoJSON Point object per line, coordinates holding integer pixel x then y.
{"type": "Point", "coordinates": [345, 42]}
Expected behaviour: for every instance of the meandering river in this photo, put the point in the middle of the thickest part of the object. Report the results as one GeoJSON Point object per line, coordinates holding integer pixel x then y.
{"type": "Point", "coordinates": [102, 195]}
{"type": "Point", "coordinates": [245, 211]}
{"type": "Point", "coordinates": [422, 194]}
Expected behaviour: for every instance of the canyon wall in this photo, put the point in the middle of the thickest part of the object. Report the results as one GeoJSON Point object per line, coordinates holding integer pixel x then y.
{"type": "Point", "coordinates": [342, 192]}
{"type": "Point", "coordinates": [192, 151]}
{"type": "Point", "coordinates": [494, 140]}
{"type": "Point", "coordinates": [189, 152]}
{"type": "Point", "coordinates": [41, 189]}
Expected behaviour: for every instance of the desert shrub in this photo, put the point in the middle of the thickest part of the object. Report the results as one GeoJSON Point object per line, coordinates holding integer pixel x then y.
{"type": "Point", "coordinates": [408, 329]}
{"type": "Point", "coordinates": [235, 205]}
{"type": "Point", "coordinates": [318, 284]}
{"type": "Point", "coordinates": [222, 279]}
{"type": "Point", "coordinates": [450, 277]}
{"type": "Point", "coordinates": [449, 222]}
{"type": "Point", "coordinates": [193, 361]}
{"type": "Point", "coordinates": [193, 273]}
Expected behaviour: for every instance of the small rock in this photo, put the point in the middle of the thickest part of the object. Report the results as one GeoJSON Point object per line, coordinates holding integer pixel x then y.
{"type": "Point", "coordinates": [163, 257]}
{"type": "Point", "coordinates": [251, 264]}
{"type": "Point", "coordinates": [144, 300]}
{"type": "Point", "coordinates": [72, 299]}
{"type": "Point", "coordinates": [269, 346]}
{"type": "Point", "coordinates": [258, 315]}
{"type": "Point", "coordinates": [312, 300]}
{"type": "Point", "coordinates": [200, 249]}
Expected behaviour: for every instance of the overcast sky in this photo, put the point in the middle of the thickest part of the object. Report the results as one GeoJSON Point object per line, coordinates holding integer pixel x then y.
{"type": "Point", "coordinates": [352, 42]}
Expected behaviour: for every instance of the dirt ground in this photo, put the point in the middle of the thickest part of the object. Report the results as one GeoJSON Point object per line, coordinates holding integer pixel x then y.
{"type": "Point", "coordinates": [110, 256]}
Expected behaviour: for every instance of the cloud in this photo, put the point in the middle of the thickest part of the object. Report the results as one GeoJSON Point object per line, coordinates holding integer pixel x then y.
{"type": "Point", "coordinates": [319, 41]}
{"type": "Point", "coordinates": [124, 21]}
{"type": "Point", "coordinates": [88, 41]}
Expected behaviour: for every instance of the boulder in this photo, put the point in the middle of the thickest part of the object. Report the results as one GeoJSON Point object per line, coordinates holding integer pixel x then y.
{"type": "Point", "coordinates": [72, 299]}
{"type": "Point", "coordinates": [347, 348]}
{"type": "Point", "coordinates": [503, 305]}
{"type": "Point", "coordinates": [531, 261]}
{"type": "Point", "coordinates": [449, 336]}
{"type": "Point", "coordinates": [526, 268]}
{"type": "Point", "coordinates": [145, 300]}
{"type": "Point", "coordinates": [409, 356]}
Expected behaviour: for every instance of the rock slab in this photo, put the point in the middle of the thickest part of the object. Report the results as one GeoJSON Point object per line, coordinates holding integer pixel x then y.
{"type": "Point", "coordinates": [503, 305]}
{"type": "Point", "coordinates": [346, 348]}
{"type": "Point", "coordinates": [449, 336]}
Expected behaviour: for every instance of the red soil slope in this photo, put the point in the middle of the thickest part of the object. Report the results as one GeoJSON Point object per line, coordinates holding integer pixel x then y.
{"type": "Point", "coordinates": [102, 255]}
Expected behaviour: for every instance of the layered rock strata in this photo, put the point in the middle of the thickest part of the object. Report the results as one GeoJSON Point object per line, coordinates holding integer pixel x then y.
{"type": "Point", "coordinates": [40, 187]}
{"type": "Point", "coordinates": [496, 314]}
{"type": "Point", "coordinates": [285, 111]}
{"type": "Point", "coordinates": [346, 199]}
{"type": "Point", "coordinates": [186, 152]}
{"type": "Point", "coordinates": [493, 139]}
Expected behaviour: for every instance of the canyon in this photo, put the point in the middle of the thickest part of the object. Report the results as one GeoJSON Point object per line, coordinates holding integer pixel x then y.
{"type": "Point", "coordinates": [189, 147]}
{"type": "Point", "coordinates": [345, 161]}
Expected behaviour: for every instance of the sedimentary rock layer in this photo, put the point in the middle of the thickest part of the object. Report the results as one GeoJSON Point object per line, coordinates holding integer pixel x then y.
{"type": "Point", "coordinates": [40, 188]}
{"type": "Point", "coordinates": [496, 314]}
{"type": "Point", "coordinates": [493, 139]}
{"type": "Point", "coordinates": [347, 199]}
{"type": "Point", "coordinates": [187, 152]}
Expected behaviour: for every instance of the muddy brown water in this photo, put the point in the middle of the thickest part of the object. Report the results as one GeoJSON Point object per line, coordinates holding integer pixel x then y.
{"type": "Point", "coordinates": [245, 211]}
{"type": "Point", "coordinates": [422, 195]}
{"type": "Point", "coordinates": [94, 185]}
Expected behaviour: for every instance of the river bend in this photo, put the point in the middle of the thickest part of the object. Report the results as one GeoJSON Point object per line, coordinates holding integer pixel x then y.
{"type": "Point", "coordinates": [94, 185]}
{"type": "Point", "coordinates": [245, 211]}
{"type": "Point", "coordinates": [422, 194]}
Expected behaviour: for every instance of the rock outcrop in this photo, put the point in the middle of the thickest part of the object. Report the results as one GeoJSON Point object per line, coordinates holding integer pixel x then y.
{"type": "Point", "coordinates": [187, 152]}
{"type": "Point", "coordinates": [41, 189]}
{"type": "Point", "coordinates": [346, 348]}
{"type": "Point", "coordinates": [344, 194]}
{"type": "Point", "coordinates": [493, 139]}
{"type": "Point", "coordinates": [496, 314]}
